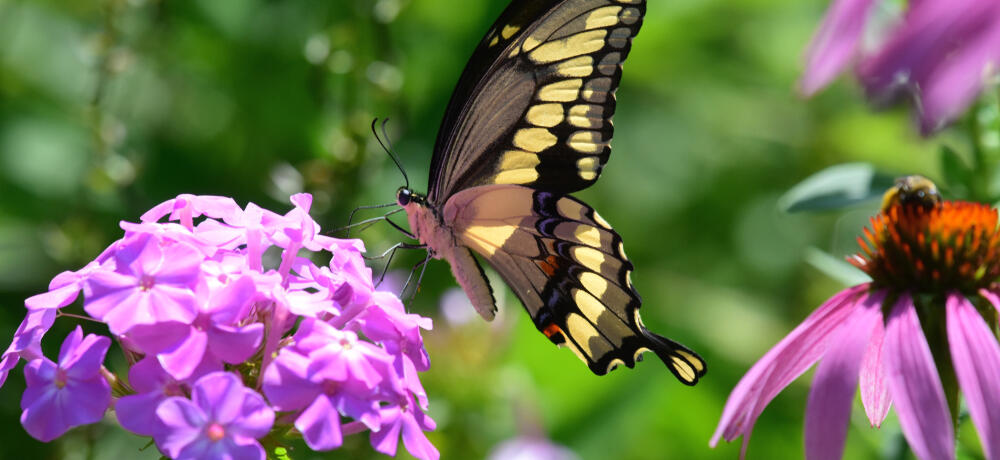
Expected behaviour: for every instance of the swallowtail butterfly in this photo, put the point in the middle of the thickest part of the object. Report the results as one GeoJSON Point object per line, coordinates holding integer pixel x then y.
{"type": "Point", "coordinates": [529, 123]}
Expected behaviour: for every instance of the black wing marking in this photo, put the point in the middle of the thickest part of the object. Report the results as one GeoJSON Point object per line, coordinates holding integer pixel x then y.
{"type": "Point", "coordinates": [568, 267]}
{"type": "Point", "coordinates": [534, 105]}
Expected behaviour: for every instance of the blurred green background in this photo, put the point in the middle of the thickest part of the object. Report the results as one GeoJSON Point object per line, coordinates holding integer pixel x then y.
{"type": "Point", "coordinates": [108, 107]}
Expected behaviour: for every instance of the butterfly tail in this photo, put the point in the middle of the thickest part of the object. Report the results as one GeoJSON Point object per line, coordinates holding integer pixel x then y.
{"type": "Point", "coordinates": [686, 365]}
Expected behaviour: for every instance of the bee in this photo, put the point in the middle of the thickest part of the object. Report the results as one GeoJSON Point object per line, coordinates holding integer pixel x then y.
{"type": "Point", "coordinates": [912, 190]}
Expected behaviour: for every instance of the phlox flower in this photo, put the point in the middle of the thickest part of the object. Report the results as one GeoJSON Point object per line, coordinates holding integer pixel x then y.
{"type": "Point", "coordinates": [209, 306]}
{"type": "Point", "coordinates": [223, 419]}
{"type": "Point", "coordinates": [71, 393]}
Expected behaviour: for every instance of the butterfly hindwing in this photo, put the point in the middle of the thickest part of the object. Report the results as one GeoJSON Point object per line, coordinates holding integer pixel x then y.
{"type": "Point", "coordinates": [534, 105]}
{"type": "Point", "coordinates": [569, 269]}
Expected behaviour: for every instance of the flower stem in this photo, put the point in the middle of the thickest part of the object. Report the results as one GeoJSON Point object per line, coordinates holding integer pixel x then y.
{"type": "Point", "coordinates": [932, 319]}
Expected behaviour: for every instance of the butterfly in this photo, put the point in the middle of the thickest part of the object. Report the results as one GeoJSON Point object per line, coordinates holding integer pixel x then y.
{"type": "Point", "coordinates": [529, 123]}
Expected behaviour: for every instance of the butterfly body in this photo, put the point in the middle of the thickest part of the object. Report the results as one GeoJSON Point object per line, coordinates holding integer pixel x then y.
{"type": "Point", "coordinates": [529, 123]}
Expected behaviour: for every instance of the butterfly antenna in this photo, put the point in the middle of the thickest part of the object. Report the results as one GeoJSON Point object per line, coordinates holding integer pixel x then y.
{"type": "Point", "coordinates": [359, 208]}
{"type": "Point", "coordinates": [367, 222]}
{"type": "Point", "coordinates": [388, 150]}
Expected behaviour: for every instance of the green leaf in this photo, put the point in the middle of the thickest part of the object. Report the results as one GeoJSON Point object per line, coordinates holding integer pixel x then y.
{"type": "Point", "coordinates": [835, 267]}
{"type": "Point", "coordinates": [958, 176]}
{"type": "Point", "coordinates": [836, 187]}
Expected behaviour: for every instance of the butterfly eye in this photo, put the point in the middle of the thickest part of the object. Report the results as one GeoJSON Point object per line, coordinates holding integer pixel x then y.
{"type": "Point", "coordinates": [403, 196]}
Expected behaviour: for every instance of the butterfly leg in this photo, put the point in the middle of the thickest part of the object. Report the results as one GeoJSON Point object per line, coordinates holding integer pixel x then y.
{"type": "Point", "coordinates": [391, 252]}
{"type": "Point", "coordinates": [423, 264]}
{"type": "Point", "coordinates": [401, 229]}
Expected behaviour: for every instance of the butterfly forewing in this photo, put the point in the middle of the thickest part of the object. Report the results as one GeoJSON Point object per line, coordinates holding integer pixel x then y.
{"type": "Point", "coordinates": [534, 105]}
{"type": "Point", "coordinates": [569, 269]}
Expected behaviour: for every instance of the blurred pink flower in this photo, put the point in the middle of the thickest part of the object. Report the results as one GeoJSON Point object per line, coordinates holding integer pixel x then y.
{"type": "Point", "coordinates": [871, 336]}
{"type": "Point", "coordinates": [531, 447]}
{"type": "Point", "coordinates": [941, 51]}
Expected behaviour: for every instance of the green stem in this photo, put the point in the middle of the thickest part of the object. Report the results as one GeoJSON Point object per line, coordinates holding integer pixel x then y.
{"type": "Point", "coordinates": [932, 318]}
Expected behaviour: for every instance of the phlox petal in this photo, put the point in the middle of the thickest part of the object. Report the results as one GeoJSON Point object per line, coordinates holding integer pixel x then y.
{"type": "Point", "coordinates": [320, 424]}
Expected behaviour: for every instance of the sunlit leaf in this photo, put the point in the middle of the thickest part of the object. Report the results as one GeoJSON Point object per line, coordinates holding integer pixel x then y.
{"type": "Point", "coordinates": [835, 267]}
{"type": "Point", "coordinates": [836, 187]}
{"type": "Point", "coordinates": [957, 174]}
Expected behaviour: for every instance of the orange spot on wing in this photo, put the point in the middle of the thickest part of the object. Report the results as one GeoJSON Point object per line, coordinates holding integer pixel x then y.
{"type": "Point", "coordinates": [549, 265]}
{"type": "Point", "coordinates": [551, 330]}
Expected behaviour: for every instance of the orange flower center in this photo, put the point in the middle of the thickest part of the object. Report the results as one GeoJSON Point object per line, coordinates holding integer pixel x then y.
{"type": "Point", "coordinates": [954, 245]}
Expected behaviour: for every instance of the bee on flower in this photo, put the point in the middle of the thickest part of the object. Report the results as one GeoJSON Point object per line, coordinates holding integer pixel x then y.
{"type": "Point", "coordinates": [917, 337]}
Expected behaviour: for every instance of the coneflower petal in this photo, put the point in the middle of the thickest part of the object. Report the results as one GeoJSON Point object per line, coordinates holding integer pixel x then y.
{"type": "Point", "coordinates": [795, 354]}
{"type": "Point", "coordinates": [836, 380]}
{"type": "Point", "coordinates": [915, 385]}
{"type": "Point", "coordinates": [874, 390]}
{"type": "Point", "coordinates": [975, 354]}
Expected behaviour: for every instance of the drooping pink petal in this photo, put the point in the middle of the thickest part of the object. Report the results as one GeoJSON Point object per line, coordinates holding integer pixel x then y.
{"type": "Point", "coordinates": [832, 392]}
{"type": "Point", "coordinates": [183, 358]}
{"type": "Point", "coordinates": [137, 413]}
{"type": "Point", "coordinates": [992, 297]}
{"type": "Point", "coordinates": [320, 424]}
{"type": "Point", "coordinates": [835, 43]}
{"type": "Point", "coordinates": [235, 344]}
{"type": "Point", "coordinates": [952, 87]}
{"type": "Point", "coordinates": [416, 441]}
{"type": "Point", "coordinates": [27, 341]}
{"type": "Point", "coordinates": [975, 354]}
{"type": "Point", "coordinates": [940, 51]}
{"type": "Point", "coordinates": [56, 298]}
{"type": "Point", "coordinates": [286, 382]}
{"type": "Point", "coordinates": [874, 390]}
{"type": "Point", "coordinates": [783, 364]}
{"type": "Point", "coordinates": [915, 385]}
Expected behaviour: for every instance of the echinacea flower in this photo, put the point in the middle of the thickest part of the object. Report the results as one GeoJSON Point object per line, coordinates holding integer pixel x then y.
{"type": "Point", "coordinates": [919, 332]}
{"type": "Point", "coordinates": [941, 51]}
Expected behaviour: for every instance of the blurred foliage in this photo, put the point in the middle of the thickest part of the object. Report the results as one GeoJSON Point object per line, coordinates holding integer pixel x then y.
{"type": "Point", "coordinates": [108, 107]}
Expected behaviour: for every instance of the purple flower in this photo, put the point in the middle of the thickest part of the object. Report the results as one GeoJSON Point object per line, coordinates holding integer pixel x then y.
{"type": "Point", "coordinates": [223, 419]}
{"type": "Point", "coordinates": [137, 412]}
{"type": "Point", "coordinates": [192, 297]}
{"type": "Point", "coordinates": [329, 372]}
{"type": "Point", "coordinates": [942, 51]}
{"type": "Point", "coordinates": [531, 448]}
{"type": "Point", "coordinates": [870, 335]}
{"type": "Point", "coordinates": [27, 340]}
{"type": "Point", "coordinates": [408, 419]}
{"type": "Point", "coordinates": [152, 283]}
{"type": "Point", "coordinates": [214, 335]}
{"type": "Point", "coordinates": [72, 393]}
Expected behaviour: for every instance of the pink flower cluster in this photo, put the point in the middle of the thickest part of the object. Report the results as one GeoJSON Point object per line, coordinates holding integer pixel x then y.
{"type": "Point", "coordinates": [226, 319]}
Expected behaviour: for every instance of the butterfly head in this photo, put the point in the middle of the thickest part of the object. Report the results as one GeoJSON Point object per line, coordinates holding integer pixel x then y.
{"type": "Point", "coordinates": [405, 196]}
